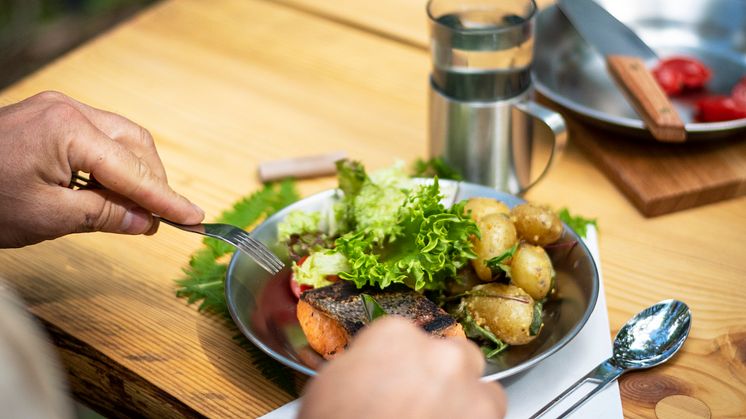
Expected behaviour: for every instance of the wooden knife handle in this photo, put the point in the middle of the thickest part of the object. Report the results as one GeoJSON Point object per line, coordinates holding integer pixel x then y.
{"type": "Point", "coordinates": [647, 97]}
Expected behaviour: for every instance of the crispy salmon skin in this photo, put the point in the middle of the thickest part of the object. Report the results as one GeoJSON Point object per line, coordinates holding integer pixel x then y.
{"type": "Point", "coordinates": [330, 316]}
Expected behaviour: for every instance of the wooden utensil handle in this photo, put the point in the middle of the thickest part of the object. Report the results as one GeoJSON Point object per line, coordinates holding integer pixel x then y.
{"type": "Point", "coordinates": [646, 96]}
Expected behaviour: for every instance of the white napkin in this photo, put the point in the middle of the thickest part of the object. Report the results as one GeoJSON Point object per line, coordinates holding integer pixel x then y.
{"type": "Point", "coordinates": [531, 390]}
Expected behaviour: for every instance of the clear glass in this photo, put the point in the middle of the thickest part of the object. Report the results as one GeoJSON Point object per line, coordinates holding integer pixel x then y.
{"type": "Point", "coordinates": [482, 49]}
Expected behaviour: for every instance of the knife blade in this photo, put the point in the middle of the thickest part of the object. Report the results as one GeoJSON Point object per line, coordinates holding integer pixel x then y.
{"type": "Point", "coordinates": [625, 54]}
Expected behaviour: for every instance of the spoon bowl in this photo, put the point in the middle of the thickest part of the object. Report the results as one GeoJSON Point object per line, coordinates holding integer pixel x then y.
{"type": "Point", "coordinates": [652, 336]}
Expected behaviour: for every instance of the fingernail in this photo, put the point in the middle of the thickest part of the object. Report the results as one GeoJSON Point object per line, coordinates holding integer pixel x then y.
{"type": "Point", "coordinates": [199, 210]}
{"type": "Point", "coordinates": [136, 221]}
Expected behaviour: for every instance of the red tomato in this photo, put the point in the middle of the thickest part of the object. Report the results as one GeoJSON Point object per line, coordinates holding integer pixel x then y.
{"type": "Point", "coordinates": [719, 108]}
{"type": "Point", "coordinates": [296, 288]}
{"type": "Point", "coordinates": [739, 92]}
{"type": "Point", "coordinates": [671, 81]}
{"type": "Point", "coordinates": [678, 73]}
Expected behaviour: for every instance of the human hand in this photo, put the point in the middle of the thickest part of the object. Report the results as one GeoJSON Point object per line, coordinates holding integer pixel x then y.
{"type": "Point", "coordinates": [49, 136]}
{"type": "Point", "coordinates": [394, 370]}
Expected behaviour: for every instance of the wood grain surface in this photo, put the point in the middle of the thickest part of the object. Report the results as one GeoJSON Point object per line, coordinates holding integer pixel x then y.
{"type": "Point", "coordinates": [227, 84]}
{"type": "Point", "coordinates": [665, 178]}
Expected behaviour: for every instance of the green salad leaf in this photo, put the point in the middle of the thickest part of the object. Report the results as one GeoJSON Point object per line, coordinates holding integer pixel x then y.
{"type": "Point", "coordinates": [373, 309]}
{"type": "Point", "coordinates": [578, 223]}
{"type": "Point", "coordinates": [315, 269]}
{"type": "Point", "coordinates": [492, 345]}
{"type": "Point", "coordinates": [537, 319]}
{"type": "Point", "coordinates": [499, 263]}
{"type": "Point", "coordinates": [436, 166]}
{"type": "Point", "coordinates": [300, 223]}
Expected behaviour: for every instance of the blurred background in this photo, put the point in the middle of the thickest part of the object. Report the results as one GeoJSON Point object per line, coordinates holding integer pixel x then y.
{"type": "Point", "coordinates": [34, 32]}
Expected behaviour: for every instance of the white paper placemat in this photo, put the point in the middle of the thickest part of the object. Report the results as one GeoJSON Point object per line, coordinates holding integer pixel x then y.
{"type": "Point", "coordinates": [531, 390]}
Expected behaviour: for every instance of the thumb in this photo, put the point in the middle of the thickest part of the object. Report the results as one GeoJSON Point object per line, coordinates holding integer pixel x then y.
{"type": "Point", "coordinates": [103, 210]}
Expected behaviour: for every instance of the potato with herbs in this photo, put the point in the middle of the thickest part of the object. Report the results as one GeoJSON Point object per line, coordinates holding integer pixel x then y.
{"type": "Point", "coordinates": [531, 269]}
{"type": "Point", "coordinates": [505, 310]}
{"type": "Point", "coordinates": [479, 207]}
{"type": "Point", "coordinates": [498, 235]}
{"type": "Point", "coordinates": [536, 224]}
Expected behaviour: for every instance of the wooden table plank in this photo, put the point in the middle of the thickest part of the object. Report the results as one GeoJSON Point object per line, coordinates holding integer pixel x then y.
{"type": "Point", "coordinates": [226, 85]}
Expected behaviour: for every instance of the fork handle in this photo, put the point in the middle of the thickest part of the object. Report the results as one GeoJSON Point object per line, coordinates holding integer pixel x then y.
{"type": "Point", "coordinates": [196, 228]}
{"type": "Point", "coordinates": [602, 375]}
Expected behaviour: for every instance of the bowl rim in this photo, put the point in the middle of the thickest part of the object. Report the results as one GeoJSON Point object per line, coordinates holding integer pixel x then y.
{"type": "Point", "coordinates": [328, 193]}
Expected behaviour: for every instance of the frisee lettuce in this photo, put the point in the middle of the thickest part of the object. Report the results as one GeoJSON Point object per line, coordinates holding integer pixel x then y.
{"type": "Point", "coordinates": [298, 222]}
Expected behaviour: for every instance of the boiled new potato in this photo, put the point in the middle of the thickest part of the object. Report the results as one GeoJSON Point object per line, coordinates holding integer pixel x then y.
{"type": "Point", "coordinates": [498, 235]}
{"type": "Point", "coordinates": [536, 224]}
{"type": "Point", "coordinates": [479, 207]}
{"type": "Point", "coordinates": [531, 269]}
{"type": "Point", "coordinates": [505, 310]}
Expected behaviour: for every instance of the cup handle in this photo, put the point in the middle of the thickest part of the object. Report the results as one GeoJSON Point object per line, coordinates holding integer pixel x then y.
{"type": "Point", "coordinates": [556, 123]}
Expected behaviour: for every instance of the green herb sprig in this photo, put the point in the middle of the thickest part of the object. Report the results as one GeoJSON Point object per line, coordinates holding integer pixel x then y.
{"type": "Point", "coordinates": [435, 167]}
{"type": "Point", "coordinates": [497, 264]}
{"type": "Point", "coordinates": [578, 223]}
{"type": "Point", "coordinates": [492, 345]}
{"type": "Point", "coordinates": [372, 308]}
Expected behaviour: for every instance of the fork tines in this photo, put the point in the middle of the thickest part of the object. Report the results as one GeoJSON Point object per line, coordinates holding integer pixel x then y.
{"type": "Point", "coordinates": [263, 256]}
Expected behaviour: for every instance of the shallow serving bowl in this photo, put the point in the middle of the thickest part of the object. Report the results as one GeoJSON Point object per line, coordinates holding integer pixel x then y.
{"type": "Point", "coordinates": [263, 307]}
{"type": "Point", "coordinates": [568, 71]}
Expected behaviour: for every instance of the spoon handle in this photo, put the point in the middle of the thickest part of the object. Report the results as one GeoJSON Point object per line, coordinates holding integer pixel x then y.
{"type": "Point", "coordinates": [602, 375]}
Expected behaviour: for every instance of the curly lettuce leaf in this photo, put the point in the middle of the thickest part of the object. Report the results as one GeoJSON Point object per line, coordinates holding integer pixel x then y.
{"type": "Point", "coordinates": [318, 266]}
{"type": "Point", "coordinates": [429, 244]}
{"type": "Point", "coordinates": [351, 176]}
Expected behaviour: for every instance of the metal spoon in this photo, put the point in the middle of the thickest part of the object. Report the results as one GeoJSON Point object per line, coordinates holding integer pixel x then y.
{"type": "Point", "coordinates": [648, 339]}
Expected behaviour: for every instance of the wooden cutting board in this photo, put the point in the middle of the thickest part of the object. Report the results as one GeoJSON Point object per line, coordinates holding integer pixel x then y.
{"type": "Point", "coordinates": [660, 178]}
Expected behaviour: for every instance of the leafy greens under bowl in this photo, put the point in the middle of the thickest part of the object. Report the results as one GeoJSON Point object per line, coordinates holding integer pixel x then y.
{"type": "Point", "coordinates": [263, 307]}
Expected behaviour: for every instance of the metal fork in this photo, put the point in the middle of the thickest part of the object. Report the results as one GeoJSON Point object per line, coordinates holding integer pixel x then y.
{"type": "Point", "coordinates": [232, 235]}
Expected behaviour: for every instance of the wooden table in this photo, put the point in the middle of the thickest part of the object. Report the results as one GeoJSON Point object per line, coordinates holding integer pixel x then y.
{"type": "Point", "coordinates": [226, 84]}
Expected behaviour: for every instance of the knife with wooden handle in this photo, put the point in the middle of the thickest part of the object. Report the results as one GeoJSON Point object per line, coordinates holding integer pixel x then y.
{"type": "Point", "coordinates": [626, 56]}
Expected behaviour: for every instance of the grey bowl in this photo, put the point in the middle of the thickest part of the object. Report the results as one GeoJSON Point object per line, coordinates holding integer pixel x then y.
{"type": "Point", "coordinates": [263, 307]}
{"type": "Point", "coordinates": [569, 72]}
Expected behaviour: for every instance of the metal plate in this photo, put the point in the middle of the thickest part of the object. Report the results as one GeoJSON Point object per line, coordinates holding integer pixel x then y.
{"type": "Point", "coordinates": [263, 307]}
{"type": "Point", "coordinates": [568, 71]}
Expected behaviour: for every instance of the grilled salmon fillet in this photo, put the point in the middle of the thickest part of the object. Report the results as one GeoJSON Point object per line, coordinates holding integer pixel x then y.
{"type": "Point", "coordinates": [330, 316]}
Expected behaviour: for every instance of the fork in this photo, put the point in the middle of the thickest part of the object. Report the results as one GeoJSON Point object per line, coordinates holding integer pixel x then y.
{"type": "Point", "coordinates": [232, 235]}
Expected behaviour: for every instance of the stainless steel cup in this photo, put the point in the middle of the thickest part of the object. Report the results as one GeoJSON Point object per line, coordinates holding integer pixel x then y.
{"type": "Point", "coordinates": [481, 114]}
